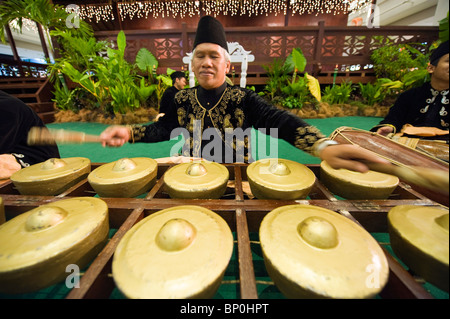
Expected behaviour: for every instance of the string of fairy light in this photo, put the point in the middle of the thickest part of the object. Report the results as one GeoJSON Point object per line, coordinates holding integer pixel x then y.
{"type": "Point", "coordinates": [189, 8]}
{"type": "Point", "coordinates": [91, 13]}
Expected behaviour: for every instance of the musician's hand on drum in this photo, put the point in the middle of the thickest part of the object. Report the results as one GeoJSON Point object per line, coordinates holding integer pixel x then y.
{"type": "Point", "coordinates": [350, 157]}
{"type": "Point", "coordinates": [115, 136]}
{"type": "Point", "coordinates": [8, 166]}
{"type": "Point", "coordinates": [385, 130]}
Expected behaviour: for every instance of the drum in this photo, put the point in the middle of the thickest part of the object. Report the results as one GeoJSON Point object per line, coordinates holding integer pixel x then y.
{"type": "Point", "coordinates": [396, 153]}
{"type": "Point", "coordinates": [434, 148]}
{"type": "Point", "coordinates": [179, 252]}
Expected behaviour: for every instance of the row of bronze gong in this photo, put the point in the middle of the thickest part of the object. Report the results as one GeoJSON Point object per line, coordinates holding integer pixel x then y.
{"type": "Point", "coordinates": [240, 210]}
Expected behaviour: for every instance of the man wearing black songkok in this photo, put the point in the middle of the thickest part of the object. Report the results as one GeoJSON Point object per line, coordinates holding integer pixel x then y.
{"type": "Point", "coordinates": [422, 112]}
{"type": "Point", "coordinates": [214, 114]}
{"type": "Point", "coordinates": [178, 83]}
{"type": "Point", "coordinates": [15, 121]}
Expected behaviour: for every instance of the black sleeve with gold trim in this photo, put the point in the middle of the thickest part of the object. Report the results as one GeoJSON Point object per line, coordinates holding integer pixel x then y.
{"type": "Point", "coordinates": [291, 128]}
{"type": "Point", "coordinates": [158, 131]}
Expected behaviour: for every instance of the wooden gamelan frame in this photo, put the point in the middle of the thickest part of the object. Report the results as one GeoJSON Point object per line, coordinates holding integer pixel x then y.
{"type": "Point", "coordinates": [242, 213]}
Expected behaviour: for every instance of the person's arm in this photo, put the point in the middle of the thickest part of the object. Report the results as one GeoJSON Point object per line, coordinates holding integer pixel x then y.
{"type": "Point", "coordinates": [117, 135]}
{"type": "Point", "coordinates": [8, 165]}
{"type": "Point", "coordinates": [16, 121]}
{"type": "Point", "coordinates": [260, 114]}
{"type": "Point", "coordinates": [396, 117]}
{"type": "Point", "coordinates": [386, 129]}
{"type": "Point", "coordinates": [347, 156]}
{"type": "Point", "coordinates": [309, 139]}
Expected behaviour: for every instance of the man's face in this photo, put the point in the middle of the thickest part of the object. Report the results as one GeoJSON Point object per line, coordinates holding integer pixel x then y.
{"type": "Point", "coordinates": [210, 65]}
{"type": "Point", "coordinates": [440, 72]}
{"type": "Point", "coordinates": [180, 83]}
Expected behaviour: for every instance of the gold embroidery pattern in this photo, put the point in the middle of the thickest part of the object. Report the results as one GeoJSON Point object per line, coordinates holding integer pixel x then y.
{"type": "Point", "coordinates": [306, 137]}
{"type": "Point", "coordinates": [222, 120]}
{"type": "Point", "coordinates": [218, 111]}
{"type": "Point", "coordinates": [182, 96]}
{"type": "Point", "coordinates": [198, 113]}
{"type": "Point", "coordinates": [181, 113]}
{"type": "Point", "coordinates": [227, 123]}
{"type": "Point", "coordinates": [137, 132]}
{"type": "Point", "coordinates": [219, 116]}
{"type": "Point", "coordinates": [240, 116]}
{"type": "Point", "coordinates": [190, 126]}
{"type": "Point", "coordinates": [236, 95]}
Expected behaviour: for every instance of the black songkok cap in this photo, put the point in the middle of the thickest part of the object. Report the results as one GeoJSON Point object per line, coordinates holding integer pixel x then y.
{"type": "Point", "coordinates": [176, 75]}
{"type": "Point", "coordinates": [438, 53]}
{"type": "Point", "coordinates": [210, 30]}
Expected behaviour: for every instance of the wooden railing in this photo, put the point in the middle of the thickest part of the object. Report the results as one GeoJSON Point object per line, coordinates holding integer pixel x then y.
{"type": "Point", "coordinates": [29, 82]}
{"type": "Point", "coordinates": [323, 46]}
{"type": "Point", "coordinates": [12, 68]}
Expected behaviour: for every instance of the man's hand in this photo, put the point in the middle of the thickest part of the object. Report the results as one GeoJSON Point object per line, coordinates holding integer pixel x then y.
{"type": "Point", "coordinates": [115, 135]}
{"type": "Point", "coordinates": [8, 166]}
{"type": "Point", "coordinates": [385, 130]}
{"type": "Point", "coordinates": [350, 157]}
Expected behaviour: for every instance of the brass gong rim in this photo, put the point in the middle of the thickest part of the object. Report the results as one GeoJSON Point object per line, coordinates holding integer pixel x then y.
{"type": "Point", "coordinates": [145, 267]}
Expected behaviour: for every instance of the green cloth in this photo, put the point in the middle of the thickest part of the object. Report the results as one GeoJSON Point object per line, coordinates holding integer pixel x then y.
{"type": "Point", "coordinates": [98, 154]}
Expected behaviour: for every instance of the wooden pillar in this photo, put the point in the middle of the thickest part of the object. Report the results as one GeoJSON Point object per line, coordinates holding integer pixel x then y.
{"type": "Point", "coordinates": [184, 38]}
{"type": "Point", "coordinates": [43, 42]}
{"type": "Point", "coordinates": [286, 17]}
{"type": "Point", "coordinates": [119, 18]}
{"type": "Point", "coordinates": [286, 23]}
{"type": "Point", "coordinates": [319, 42]}
{"type": "Point", "coordinates": [12, 44]}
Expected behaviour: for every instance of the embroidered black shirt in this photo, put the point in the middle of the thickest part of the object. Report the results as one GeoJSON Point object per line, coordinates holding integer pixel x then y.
{"type": "Point", "coordinates": [421, 106]}
{"type": "Point", "coordinates": [226, 115]}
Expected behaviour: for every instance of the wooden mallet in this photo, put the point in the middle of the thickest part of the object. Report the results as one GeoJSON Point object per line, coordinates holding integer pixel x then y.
{"type": "Point", "coordinates": [44, 136]}
{"type": "Point", "coordinates": [432, 179]}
